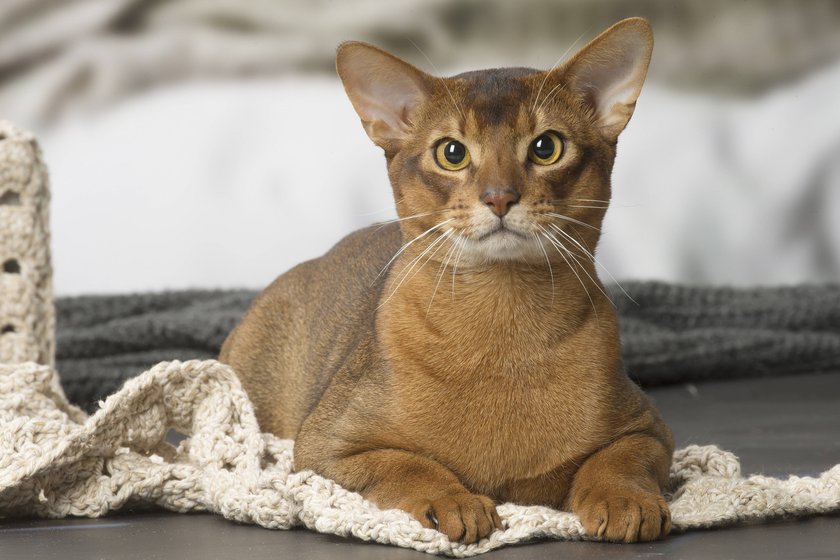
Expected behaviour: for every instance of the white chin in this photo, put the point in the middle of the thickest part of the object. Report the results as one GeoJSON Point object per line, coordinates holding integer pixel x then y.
{"type": "Point", "coordinates": [501, 247]}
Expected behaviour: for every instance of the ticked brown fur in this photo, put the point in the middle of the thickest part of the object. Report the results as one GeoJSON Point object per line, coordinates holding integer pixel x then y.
{"type": "Point", "coordinates": [460, 358]}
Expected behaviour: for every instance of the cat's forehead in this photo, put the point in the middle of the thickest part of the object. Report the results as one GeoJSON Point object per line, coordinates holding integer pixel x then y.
{"type": "Point", "coordinates": [495, 96]}
{"type": "Point", "coordinates": [497, 75]}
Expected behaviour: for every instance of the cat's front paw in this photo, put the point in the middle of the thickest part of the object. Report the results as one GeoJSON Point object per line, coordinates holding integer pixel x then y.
{"type": "Point", "coordinates": [623, 515]}
{"type": "Point", "coordinates": [461, 517]}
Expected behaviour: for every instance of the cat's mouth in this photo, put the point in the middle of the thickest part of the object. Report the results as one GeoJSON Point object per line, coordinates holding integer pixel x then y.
{"type": "Point", "coordinates": [500, 230]}
{"type": "Point", "coordinates": [501, 243]}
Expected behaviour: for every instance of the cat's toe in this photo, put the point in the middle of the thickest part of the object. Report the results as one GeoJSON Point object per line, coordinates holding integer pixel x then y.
{"type": "Point", "coordinates": [625, 517]}
{"type": "Point", "coordinates": [461, 517]}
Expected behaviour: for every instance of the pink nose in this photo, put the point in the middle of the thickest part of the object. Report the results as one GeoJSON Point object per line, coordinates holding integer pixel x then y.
{"type": "Point", "coordinates": [500, 200]}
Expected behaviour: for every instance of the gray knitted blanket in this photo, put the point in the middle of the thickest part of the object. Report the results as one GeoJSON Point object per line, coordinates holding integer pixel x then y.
{"type": "Point", "coordinates": [671, 334]}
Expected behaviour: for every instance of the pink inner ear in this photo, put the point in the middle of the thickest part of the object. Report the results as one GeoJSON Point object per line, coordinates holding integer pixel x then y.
{"type": "Point", "coordinates": [609, 72]}
{"type": "Point", "coordinates": [385, 91]}
{"type": "Point", "coordinates": [622, 92]}
{"type": "Point", "coordinates": [394, 105]}
{"type": "Point", "coordinates": [391, 113]}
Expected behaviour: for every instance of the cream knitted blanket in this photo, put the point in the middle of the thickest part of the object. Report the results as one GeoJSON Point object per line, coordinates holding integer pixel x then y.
{"type": "Point", "coordinates": [55, 461]}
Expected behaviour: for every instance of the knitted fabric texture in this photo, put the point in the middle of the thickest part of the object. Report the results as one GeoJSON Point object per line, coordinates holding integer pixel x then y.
{"type": "Point", "coordinates": [27, 319]}
{"type": "Point", "coordinates": [54, 462]}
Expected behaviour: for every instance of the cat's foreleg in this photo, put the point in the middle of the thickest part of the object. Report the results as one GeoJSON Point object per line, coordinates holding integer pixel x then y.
{"type": "Point", "coordinates": [617, 492]}
{"type": "Point", "coordinates": [393, 478]}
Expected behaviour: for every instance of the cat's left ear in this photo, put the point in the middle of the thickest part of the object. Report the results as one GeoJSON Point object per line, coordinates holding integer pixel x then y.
{"type": "Point", "coordinates": [609, 72]}
{"type": "Point", "coordinates": [385, 90]}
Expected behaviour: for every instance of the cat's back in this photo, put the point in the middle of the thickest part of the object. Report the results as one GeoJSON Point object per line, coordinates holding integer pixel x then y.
{"type": "Point", "coordinates": [299, 330]}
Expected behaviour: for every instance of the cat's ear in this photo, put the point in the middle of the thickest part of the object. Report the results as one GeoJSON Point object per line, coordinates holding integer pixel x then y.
{"type": "Point", "coordinates": [384, 90]}
{"type": "Point", "coordinates": [609, 72]}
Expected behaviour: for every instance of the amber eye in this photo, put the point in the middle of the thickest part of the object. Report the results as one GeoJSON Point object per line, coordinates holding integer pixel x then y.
{"type": "Point", "coordinates": [452, 155]}
{"type": "Point", "coordinates": [546, 148]}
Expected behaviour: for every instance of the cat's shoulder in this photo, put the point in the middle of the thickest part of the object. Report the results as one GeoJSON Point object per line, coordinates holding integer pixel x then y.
{"type": "Point", "coordinates": [373, 243]}
{"type": "Point", "coordinates": [372, 237]}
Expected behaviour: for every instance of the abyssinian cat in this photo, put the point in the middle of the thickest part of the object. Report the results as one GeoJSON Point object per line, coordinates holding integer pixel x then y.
{"type": "Point", "coordinates": [466, 354]}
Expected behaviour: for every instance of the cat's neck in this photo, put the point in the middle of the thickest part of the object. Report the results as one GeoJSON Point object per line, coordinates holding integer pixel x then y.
{"type": "Point", "coordinates": [501, 310]}
{"type": "Point", "coordinates": [568, 287]}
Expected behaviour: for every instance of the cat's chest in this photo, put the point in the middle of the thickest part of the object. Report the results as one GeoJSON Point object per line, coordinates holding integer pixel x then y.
{"type": "Point", "coordinates": [494, 430]}
{"type": "Point", "coordinates": [496, 415]}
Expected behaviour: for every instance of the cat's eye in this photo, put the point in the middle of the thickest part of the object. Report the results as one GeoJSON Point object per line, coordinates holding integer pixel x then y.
{"type": "Point", "coordinates": [452, 155]}
{"type": "Point", "coordinates": [546, 148]}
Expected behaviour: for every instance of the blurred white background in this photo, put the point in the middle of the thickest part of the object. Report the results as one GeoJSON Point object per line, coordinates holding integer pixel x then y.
{"type": "Point", "coordinates": [207, 143]}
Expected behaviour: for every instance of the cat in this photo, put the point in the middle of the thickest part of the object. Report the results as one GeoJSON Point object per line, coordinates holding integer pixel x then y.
{"type": "Point", "coordinates": [466, 354]}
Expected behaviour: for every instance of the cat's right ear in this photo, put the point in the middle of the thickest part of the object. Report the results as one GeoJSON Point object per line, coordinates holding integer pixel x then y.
{"type": "Point", "coordinates": [385, 91]}
{"type": "Point", "coordinates": [608, 73]}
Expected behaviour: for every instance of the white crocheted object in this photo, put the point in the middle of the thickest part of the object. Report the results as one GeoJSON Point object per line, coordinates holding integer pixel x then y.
{"type": "Point", "coordinates": [56, 461]}
{"type": "Point", "coordinates": [27, 319]}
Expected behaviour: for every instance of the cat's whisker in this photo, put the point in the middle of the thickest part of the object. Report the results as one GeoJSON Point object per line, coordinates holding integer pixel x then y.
{"type": "Point", "coordinates": [565, 251]}
{"type": "Point", "coordinates": [548, 96]}
{"type": "Point", "coordinates": [452, 97]}
{"type": "Point", "coordinates": [595, 260]}
{"type": "Point", "coordinates": [592, 259]}
{"type": "Point", "coordinates": [548, 262]}
{"type": "Point", "coordinates": [373, 212]}
{"type": "Point", "coordinates": [587, 206]}
{"type": "Point", "coordinates": [406, 270]}
{"type": "Point", "coordinates": [565, 200]}
{"type": "Point", "coordinates": [420, 215]}
{"type": "Point", "coordinates": [448, 233]}
{"type": "Point", "coordinates": [440, 80]}
{"type": "Point", "coordinates": [404, 247]}
{"type": "Point", "coordinates": [562, 251]}
{"type": "Point", "coordinates": [444, 263]}
{"type": "Point", "coordinates": [606, 203]}
{"type": "Point", "coordinates": [395, 205]}
{"type": "Point", "coordinates": [553, 66]}
{"type": "Point", "coordinates": [572, 220]}
{"type": "Point", "coordinates": [577, 243]}
{"type": "Point", "coordinates": [455, 266]}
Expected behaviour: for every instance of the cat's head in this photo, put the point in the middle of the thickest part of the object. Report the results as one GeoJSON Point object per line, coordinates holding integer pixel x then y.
{"type": "Point", "coordinates": [502, 163]}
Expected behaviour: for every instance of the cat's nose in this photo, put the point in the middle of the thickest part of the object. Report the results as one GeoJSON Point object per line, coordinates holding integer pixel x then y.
{"type": "Point", "coordinates": [499, 200]}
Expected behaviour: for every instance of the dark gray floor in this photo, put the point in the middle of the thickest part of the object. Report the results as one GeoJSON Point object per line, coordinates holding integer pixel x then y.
{"type": "Point", "coordinates": [777, 426]}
